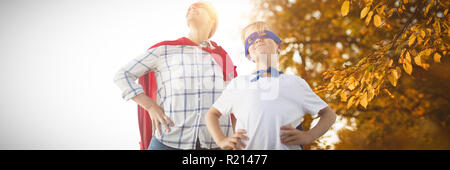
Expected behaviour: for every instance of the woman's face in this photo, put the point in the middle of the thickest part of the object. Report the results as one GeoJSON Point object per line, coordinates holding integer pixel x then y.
{"type": "Point", "coordinates": [262, 47]}
{"type": "Point", "coordinates": [197, 15]}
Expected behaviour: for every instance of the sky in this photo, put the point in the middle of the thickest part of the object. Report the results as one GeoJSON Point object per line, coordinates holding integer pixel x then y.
{"type": "Point", "coordinates": [58, 59]}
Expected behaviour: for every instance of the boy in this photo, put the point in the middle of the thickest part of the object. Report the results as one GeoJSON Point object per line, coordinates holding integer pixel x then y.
{"type": "Point", "coordinates": [267, 104]}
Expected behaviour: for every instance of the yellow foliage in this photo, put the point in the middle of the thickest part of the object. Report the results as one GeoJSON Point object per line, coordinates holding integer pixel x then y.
{"type": "Point", "coordinates": [407, 64]}
{"type": "Point", "coordinates": [352, 83]}
{"type": "Point", "coordinates": [364, 12]}
{"type": "Point", "coordinates": [345, 8]}
{"type": "Point", "coordinates": [377, 20]}
{"type": "Point", "coordinates": [363, 101]}
{"type": "Point", "coordinates": [344, 96]}
{"type": "Point", "coordinates": [417, 60]}
{"type": "Point", "coordinates": [369, 17]}
{"type": "Point", "coordinates": [437, 57]}
{"type": "Point", "coordinates": [411, 40]}
{"type": "Point", "coordinates": [375, 57]}
{"type": "Point", "coordinates": [350, 102]}
{"type": "Point", "coordinates": [393, 77]}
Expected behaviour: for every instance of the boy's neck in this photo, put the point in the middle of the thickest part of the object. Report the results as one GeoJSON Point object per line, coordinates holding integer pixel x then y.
{"type": "Point", "coordinates": [266, 64]}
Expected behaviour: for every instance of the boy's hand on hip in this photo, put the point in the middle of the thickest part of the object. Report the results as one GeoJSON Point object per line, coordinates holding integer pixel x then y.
{"type": "Point", "coordinates": [293, 136]}
{"type": "Point", "coordinates": [233, 142]}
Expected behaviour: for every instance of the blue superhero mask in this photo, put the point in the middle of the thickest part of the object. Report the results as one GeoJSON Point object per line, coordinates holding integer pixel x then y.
{"type": "Point", "coordinates": [254, 36]}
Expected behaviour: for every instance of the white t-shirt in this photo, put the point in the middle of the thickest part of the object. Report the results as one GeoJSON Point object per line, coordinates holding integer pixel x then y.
{"type": "Point", "coordinates": [263, 106]}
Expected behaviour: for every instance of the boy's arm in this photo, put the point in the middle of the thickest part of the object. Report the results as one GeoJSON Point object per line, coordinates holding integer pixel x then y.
{"type": "Point", "coordinates": [294, 136]}
{"type": "Point", "coordinates": [233, 122]}
{"type": "Point", "coordinates": [213, 124]}
{"type": "Point", "coordinates": [327, 118]}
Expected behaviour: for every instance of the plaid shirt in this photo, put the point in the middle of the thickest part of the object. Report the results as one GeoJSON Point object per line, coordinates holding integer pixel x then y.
{"type": "Point", "coordinates": [189, 81]}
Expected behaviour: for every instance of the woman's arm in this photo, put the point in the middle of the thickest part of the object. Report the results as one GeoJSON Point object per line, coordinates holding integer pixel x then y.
{"type": "Point", "coordinates": [126, 78]}
{"type": "Point", "coordinates": [155, 112]}
{"type": "Point", "coordinates": [292, 136]}
{"type": "Point", "coordinates": [213, 125]}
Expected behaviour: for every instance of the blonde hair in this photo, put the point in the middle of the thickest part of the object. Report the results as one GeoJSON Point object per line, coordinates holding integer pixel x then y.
{"type": "Point", "coordinates": [258, 26]}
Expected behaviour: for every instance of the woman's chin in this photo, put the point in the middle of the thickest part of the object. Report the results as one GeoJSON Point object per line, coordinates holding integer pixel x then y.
{"type": "Point", "coordinates": [195, 21]}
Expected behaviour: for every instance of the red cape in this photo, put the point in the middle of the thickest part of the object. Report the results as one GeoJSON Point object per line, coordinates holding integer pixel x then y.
{"type": "Point", "coordinates": [148, 83]}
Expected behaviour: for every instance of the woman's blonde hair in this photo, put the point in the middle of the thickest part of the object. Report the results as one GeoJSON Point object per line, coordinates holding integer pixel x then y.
{"type": "Point", "coordinates": [258, 26]}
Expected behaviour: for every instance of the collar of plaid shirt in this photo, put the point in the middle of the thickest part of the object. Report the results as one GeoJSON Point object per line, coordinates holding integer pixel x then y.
{"type": "Point", "coordinates": [148, 82]}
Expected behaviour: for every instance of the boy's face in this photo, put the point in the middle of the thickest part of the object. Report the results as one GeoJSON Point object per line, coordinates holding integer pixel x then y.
{"type": "Point", "coordinates": [262, 47]}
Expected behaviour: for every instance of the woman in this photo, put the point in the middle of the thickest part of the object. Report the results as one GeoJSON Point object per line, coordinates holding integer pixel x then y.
{"type": "Point", "coordinates": [189, 74]}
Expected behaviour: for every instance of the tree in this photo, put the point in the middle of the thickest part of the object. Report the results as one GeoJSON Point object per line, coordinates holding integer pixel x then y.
{"type": "Point", "coordinates": [369, 59]}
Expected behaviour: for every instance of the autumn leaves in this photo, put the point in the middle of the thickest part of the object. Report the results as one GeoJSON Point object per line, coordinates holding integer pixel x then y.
{"type": "Point", "coordinates": [406, 61]}
{"type": "Point", "coordinates": [357, 85]}
{"type": "Point", "coordinates": [366, 12]}
{"type": "Point", "coordinates": [345, 8]}
{"type": "Point", "coordinates": [420, 39]}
